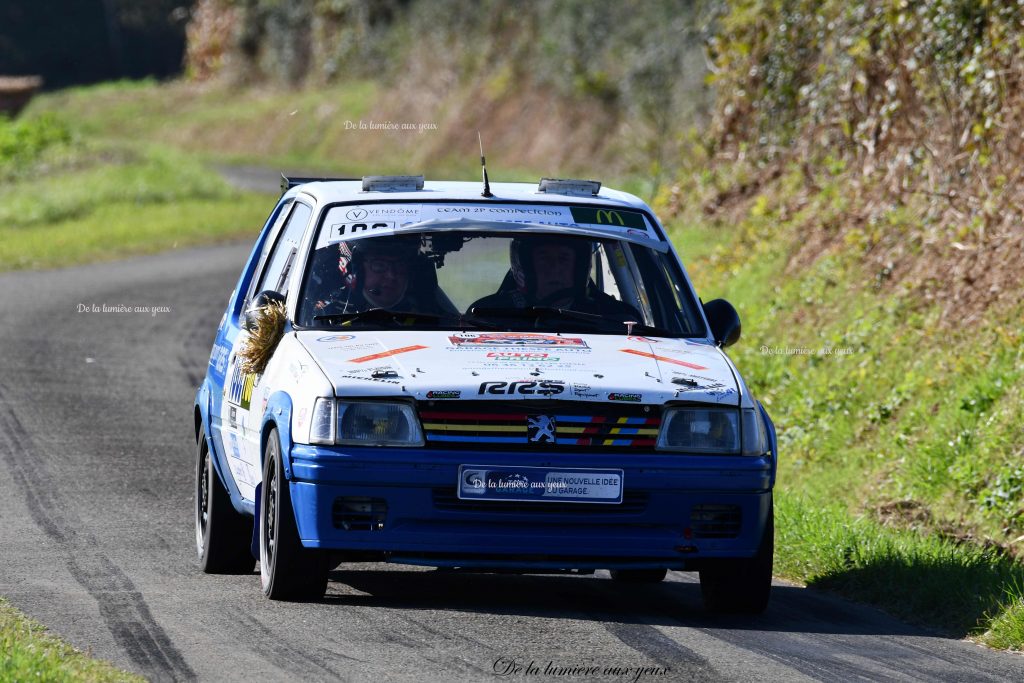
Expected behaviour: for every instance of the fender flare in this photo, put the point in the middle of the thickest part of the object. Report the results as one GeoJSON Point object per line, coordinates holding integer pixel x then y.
{"type": "Point", "coordinates": [278, 414]}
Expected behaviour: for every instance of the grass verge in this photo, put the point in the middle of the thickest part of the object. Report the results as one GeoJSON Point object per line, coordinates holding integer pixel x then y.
{"type": "Point", "coordinates": [93, 202]}
{"type": "Point", "coordinates": [29, 653]}
{"type": "Point", "coordinates": [900, 477]}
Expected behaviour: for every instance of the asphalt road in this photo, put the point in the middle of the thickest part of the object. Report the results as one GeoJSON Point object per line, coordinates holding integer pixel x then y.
{"type": "Point", "coordinates": [96, 537]}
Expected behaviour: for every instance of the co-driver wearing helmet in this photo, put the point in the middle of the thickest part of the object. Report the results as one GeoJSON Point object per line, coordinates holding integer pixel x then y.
{"type": "Point", "coordinates": [553, 271]}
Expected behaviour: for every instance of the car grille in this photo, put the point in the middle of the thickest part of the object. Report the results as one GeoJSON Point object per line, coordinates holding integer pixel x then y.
{"type": "Point", "coordinates": [574, 425]}
{"type": "Point", "coordinates": [633, 503]}
{"type": "Point", "coordinates": [715, 521]}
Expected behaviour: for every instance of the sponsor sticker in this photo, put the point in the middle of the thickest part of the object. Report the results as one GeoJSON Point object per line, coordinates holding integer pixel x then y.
{"type": "Point", "coordinates": [506, 339]}
{"type": "Point", "coordinates": [523, 388]}
{"type": "Point", "coordinates": [631, 398]}
{"type": "Point", "coordinates": [219, 358]}
{"type": "Point", "coordinates": [583, 391]}
{"type": "Point", "coordinates": [240, 390]}
{"type": "Point", "coordinates": [382, 380]}
{"type": "Point", "coordinates": [523, 356]}
{"type": "Point", "coordinates": [664, 359]}
{"type": "Point", "coordinates": [437, 394]}
{"type": "Point", "coordinates": [336, 338]}
{"type": "Point", "coordinates": [386, 354]}
{"type": "Point", "coordinates": [613, 217]}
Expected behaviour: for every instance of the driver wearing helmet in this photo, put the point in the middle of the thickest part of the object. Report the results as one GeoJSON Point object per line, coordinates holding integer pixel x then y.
{"type": "Point", "coordinates": [553, 271]}
{"type": "Point", "coordinates": [375, 273]}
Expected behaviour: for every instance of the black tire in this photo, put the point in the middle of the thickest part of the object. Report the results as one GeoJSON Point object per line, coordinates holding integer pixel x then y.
{"type": "Point", "coordinates": [223, 535]}
{"type": "Point", "coordinates": [639, 575]}
{"type": "Point", "coordinates": [288, 571]}
{"type": "Point", "coordinates": [741, 586]}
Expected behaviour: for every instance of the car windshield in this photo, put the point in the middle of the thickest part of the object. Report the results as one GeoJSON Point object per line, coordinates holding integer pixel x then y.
{"type": "Point", "coordinates": [519, 281]}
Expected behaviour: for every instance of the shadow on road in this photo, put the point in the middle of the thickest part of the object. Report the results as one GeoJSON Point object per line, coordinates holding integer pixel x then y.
{"type": "Point", "coordinates": [674, 602]}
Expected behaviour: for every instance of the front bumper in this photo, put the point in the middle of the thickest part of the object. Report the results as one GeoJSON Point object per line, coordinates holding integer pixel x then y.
{"type": "Point", "coordinates": [402, 503]}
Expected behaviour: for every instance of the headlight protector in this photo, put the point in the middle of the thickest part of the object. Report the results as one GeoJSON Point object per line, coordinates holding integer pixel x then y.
{"type": "Point", "coordinates": [374, 423]}
{"type": "Point", "coordinates": [713, 430]}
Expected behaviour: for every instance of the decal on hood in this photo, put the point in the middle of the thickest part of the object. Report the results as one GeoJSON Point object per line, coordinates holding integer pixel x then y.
{"type": "Point", "coordinates": [505, 339]}
{"type": "Point", "coordinates": [664, 359]}
{"type": "Point", "coordinates": [436, 394]}
{"type": "Point", "coordinates": [479, 365]}
{"type": "Point", "coordinates": [386, 354]}
{"type": "Point", "coordinates": [524, 387]}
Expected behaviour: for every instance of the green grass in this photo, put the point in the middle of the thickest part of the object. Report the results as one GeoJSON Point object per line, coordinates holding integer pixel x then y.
{"type": "Point", "coordinates": [900, 478]}
{"type": "Point", "coordinates": [900, 470]}
{"type": "Point", "coordinates": [29, 653]}
{"type": "Point", "coordinates": [101, 201]}
{"type": "Point", "coordinates": [925, 578]}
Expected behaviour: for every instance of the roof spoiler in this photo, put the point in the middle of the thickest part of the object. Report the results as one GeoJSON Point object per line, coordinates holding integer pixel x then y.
{"type": "Point", "coordinates": [288, 183]}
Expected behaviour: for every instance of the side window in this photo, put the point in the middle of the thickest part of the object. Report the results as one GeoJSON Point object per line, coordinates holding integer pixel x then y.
{"type": "Point", "coordinates": [275, 230]}
{"type": "Point", "coordinates": [282, 256]}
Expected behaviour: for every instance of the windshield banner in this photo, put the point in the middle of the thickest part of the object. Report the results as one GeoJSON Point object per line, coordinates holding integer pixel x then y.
{"type": "Point", "coordinates": [345, 223]}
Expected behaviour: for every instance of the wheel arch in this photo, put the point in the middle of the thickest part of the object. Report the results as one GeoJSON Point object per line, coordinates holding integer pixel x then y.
{"type": "Point", "coordinates": [278, 415]}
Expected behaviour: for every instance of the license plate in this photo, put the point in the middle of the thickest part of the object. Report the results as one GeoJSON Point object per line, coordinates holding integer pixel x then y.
{"type": "Point", "coordinates": [540, 484]}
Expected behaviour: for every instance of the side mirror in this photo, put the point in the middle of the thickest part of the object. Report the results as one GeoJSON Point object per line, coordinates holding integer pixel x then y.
{"type": "Point", "coordinates": [261, 300]}
{"type": "Point", "coordinates": [724, 321]}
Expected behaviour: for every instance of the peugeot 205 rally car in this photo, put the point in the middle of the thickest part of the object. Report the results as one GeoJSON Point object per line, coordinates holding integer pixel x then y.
{"type": "Point", "coordinates": [519, 380]}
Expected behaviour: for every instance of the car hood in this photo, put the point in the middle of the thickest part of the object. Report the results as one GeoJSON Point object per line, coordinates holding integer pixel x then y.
{"type": "Point", "coordinates": [437, 365]}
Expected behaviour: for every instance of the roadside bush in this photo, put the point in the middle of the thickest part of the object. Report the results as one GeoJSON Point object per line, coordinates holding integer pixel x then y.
{"type": "Point", "coordinates": [23, 141]}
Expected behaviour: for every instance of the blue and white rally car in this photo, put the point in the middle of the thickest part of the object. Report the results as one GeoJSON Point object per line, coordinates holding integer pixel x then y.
{"type": "Point", "coordinates": [522, 380]}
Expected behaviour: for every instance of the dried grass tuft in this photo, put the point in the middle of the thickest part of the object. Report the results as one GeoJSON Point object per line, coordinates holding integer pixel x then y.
{"type": "Point", "coordinates": [262, 341]}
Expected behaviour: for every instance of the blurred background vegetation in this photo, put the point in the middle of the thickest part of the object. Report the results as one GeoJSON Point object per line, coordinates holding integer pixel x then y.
{"type": "Point", "coordinates": [847, 172]}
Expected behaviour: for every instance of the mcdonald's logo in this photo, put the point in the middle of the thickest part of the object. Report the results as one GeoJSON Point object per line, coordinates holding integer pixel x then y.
{"type": "Point", "coordinates": [595, 216]}
{"type": "Point", "coordinates": [609, 216]}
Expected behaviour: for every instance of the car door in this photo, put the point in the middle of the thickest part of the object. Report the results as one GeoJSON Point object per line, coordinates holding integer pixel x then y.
{"type": "Point", "coordinates": [241, 409]}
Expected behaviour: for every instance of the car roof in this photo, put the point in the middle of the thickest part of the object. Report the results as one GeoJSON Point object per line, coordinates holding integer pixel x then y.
{"type": "Point", "coordinates": [334, 191]}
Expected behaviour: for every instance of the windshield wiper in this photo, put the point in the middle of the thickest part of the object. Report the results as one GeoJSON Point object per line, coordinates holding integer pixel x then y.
{"type": "Point", "coordinates": [378, 315]}
{"type": "Point", "coordinates": [611, 324]}
{"type": "Point", "coordinates": [653, 331]}
{"type": "Point", "coordinates": [402, 318]}
{"type": "Point", "coordinates": [537, 312]}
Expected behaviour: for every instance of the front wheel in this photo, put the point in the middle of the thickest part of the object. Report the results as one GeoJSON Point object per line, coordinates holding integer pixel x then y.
{"type": "Point", "coordinates": [741, 586]}
{"type": "Point", "coordinates": [288, 571]}
{"type": "Point", "coordinates": [223, 534]}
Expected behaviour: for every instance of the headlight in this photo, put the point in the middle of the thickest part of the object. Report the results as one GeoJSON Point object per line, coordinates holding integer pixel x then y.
{"type": "Point", "coordinates": [700, 430]}
{"type": "Point", "coordinates": [725, 431]}
{"type": "Point", "coordinates": [366, 423]}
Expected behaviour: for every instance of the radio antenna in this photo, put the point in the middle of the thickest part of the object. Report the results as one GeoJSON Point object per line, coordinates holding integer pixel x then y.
{"type": "Point", "coordinates": [483, 164]}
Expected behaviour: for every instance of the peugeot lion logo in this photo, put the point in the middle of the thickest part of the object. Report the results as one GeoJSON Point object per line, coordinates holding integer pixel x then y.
{"type": "Point", "coordinates": [540, 429]}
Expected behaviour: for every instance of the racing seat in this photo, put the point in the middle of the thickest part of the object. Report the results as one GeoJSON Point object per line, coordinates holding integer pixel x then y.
{"type": "Point", "coordinates": [423, 281]}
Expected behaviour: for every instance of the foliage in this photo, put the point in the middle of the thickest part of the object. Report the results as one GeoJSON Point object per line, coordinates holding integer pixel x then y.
{"type": "Point", "coordinates": [24, 141]}
{"type": "Point", "coordinates": [915, 107]}
{"type": "Point", "coordinates": [635, 69]}
{"type": "Point", "coordinates": [27, 653]}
